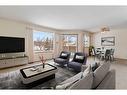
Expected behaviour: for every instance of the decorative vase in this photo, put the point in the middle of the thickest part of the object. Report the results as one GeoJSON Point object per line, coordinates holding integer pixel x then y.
{"type": "Point", "coordinates": [43, 65]}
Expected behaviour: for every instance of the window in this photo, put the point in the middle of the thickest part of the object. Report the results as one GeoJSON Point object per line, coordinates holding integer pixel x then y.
{"type": "Point", "coordinates": [70, 42]}
{"type": "Point", "coordinates": [43, 41]}
{"type": "Point", "coordinates": [86, 40]}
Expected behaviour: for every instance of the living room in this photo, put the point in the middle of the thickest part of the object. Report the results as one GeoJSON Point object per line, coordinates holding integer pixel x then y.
{"type": "Point", "coordinates": [49, 30]}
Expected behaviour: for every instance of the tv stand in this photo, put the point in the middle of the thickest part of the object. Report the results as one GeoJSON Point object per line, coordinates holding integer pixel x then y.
{"type": "Point", "coordinates": [13, 61]}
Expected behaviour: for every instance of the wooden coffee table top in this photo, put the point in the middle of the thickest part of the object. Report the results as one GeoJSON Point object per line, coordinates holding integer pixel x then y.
{"type": "Point", "coordinates": [36, 70]}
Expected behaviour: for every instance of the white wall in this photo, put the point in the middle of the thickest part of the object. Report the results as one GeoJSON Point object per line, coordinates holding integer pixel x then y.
{"type": "Point", "coordinates": [17, 29]}
{"type": "Point", "coordinates": [120, 35]}
{"type": "Point", "coordinates": [13, 29]}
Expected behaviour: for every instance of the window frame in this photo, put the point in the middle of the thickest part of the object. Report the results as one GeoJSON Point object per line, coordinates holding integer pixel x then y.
{"type": "Point", "coordinates": [84, 40]}
{"type": "Point", "coordinates": [76, 38]}
{"type": "Point", "coordinates": [40, 51]}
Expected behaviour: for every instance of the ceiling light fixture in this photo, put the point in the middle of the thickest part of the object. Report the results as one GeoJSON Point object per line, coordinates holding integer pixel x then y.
{"type": "Point", "coordinates": [105, 29]}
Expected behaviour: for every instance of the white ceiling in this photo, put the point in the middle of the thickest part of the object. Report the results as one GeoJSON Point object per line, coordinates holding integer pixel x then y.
{"type": "Point", "coordinates": [68, 17]}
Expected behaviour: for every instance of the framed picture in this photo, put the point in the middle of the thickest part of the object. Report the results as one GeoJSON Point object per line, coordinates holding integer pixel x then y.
{"type": "Point", "coordinates": [108, 41]}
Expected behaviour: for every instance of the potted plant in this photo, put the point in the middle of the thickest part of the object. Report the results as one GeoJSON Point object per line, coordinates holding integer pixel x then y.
{"type": "Point", "coordinates": [90, 50]}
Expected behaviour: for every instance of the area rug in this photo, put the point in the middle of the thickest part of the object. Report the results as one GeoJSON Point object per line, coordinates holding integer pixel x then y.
{"type": "Point", "coordinates": [12, 79]}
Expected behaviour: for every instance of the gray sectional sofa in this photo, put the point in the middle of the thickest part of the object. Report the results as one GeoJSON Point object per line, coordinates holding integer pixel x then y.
{"type": "Point", "coordinates": [102, 78]}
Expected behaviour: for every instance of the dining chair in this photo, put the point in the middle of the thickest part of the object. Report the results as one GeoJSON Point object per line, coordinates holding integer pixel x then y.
{"type": "Point", "coordinates": [108, 55]}
{"type": "Point", "coordinates": [112, 54]}
{"type": "Point", "coordinates": [102, 55]}
{"type": "Point", "coordinates": [96, 52]}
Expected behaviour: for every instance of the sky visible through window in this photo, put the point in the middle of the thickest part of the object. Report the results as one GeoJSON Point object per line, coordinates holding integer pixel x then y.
{"type": "Point", "coordinates": [44, 35]}
{"type": "Point", "coordinates": [43, 41]}
{"type": "Point", "coordinates": [71, 38]}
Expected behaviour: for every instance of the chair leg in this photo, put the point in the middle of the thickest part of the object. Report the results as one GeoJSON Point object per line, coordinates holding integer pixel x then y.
{"type": "Point", "coordinates": [103, 58]}
{"type": "Point", "coordinates": [112, 57]}
{"type": "Point", "coordinates": [94, 57]}
{"type": "Point", "coordinates": [106, 58]}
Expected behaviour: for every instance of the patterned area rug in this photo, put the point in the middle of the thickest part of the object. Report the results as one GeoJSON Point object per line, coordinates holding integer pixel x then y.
{"type": "Point", "coordinates": [12, 79]}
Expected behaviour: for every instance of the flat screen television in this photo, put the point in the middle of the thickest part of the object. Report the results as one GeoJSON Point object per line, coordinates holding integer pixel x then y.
{"type": "Point", "coordinates": [12, 44]}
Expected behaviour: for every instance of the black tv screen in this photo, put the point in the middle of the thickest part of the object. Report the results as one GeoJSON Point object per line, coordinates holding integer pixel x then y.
{"type": "Point", "coordinates": [12, 44]}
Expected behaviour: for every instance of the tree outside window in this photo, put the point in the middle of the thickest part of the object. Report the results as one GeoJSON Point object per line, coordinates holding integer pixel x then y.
{"type": "Point", "coordinates": [70, 43]}
{"type": "Point", "coordinates": [43, 41]}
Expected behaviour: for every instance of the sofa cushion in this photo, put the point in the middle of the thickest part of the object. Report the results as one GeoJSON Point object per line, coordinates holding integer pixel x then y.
{"type": "Point", "coordinates": [100, 73]}
{"type": "Point", "coordinates": [74, 78]}
{"type": "Point", "coordinates": [109, 81]}
{"type": "Point", "coordinates": [75, 65]}
{"type": "Point", "coordinates": [76, 82]}
{"type": "Point", "coordinates": [95, 66]}
{"type": "Point", "coordinates": [67, 83]}
{"type": "Point", "coordinates": [86, 71]}
{"type": "Point", "coordinates": [84, 83]}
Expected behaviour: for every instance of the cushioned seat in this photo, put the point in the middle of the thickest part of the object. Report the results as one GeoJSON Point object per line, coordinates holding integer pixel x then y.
{"type": "Point", "coordinates": [59, 60]}
{"type": "Point", "coordinates": [75, 65]}
{"type": "Point", "coordinates": [77, 62]}
{"type": "Point", "coordinates": [100, 73]}
{"type": "Point", "coordinates": [63, 58]}
{"type": "Point", "coordinates": [101, 78]}
{"type": "Point", "coordinates": [82, 80]}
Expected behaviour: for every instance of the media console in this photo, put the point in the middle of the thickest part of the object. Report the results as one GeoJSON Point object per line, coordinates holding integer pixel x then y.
{"type": "Point", "coordinates": [13, 61]}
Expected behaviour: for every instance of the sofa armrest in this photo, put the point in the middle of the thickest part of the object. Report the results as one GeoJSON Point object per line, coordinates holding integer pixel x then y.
{"type": "Point", "coordinates": [84, 63]}
{"type": "Point", "coordinates": [83, 68]}
{"type": "Point", "coordinates": [84, 83]}
{"type": "Point", "coordinates": [109, 81]}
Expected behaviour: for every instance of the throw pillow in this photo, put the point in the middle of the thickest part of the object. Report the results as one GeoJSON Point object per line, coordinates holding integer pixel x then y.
{"type": "Point", "coordinates": [79, 57]}
{"type": "Point", "coordinates": [95, 66]}
{"type": "Point", "coordinates": [66, 85]}
{"type": "Point", "coordinates": [63, 54]}
{"type": "Point", "coordinates": [87, 71]}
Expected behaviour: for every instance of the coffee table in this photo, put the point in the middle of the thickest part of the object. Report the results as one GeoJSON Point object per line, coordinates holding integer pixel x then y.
{"type": "Point", "coordinates": [34, 74]}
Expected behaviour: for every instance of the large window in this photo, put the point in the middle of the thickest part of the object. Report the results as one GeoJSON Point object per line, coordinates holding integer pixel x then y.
{"type": "Point", "coordinates": [70, 42]}
{"type": "Point", "coordinates": [43, 41]}
{"type": "Point", "coordinates": [86, 40]}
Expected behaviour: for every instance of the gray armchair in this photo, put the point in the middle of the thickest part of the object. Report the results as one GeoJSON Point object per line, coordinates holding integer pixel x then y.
{"type": "Point", "coordinates": [77, 62]}
{"type": "Point", "coordinates": [63, 58]}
